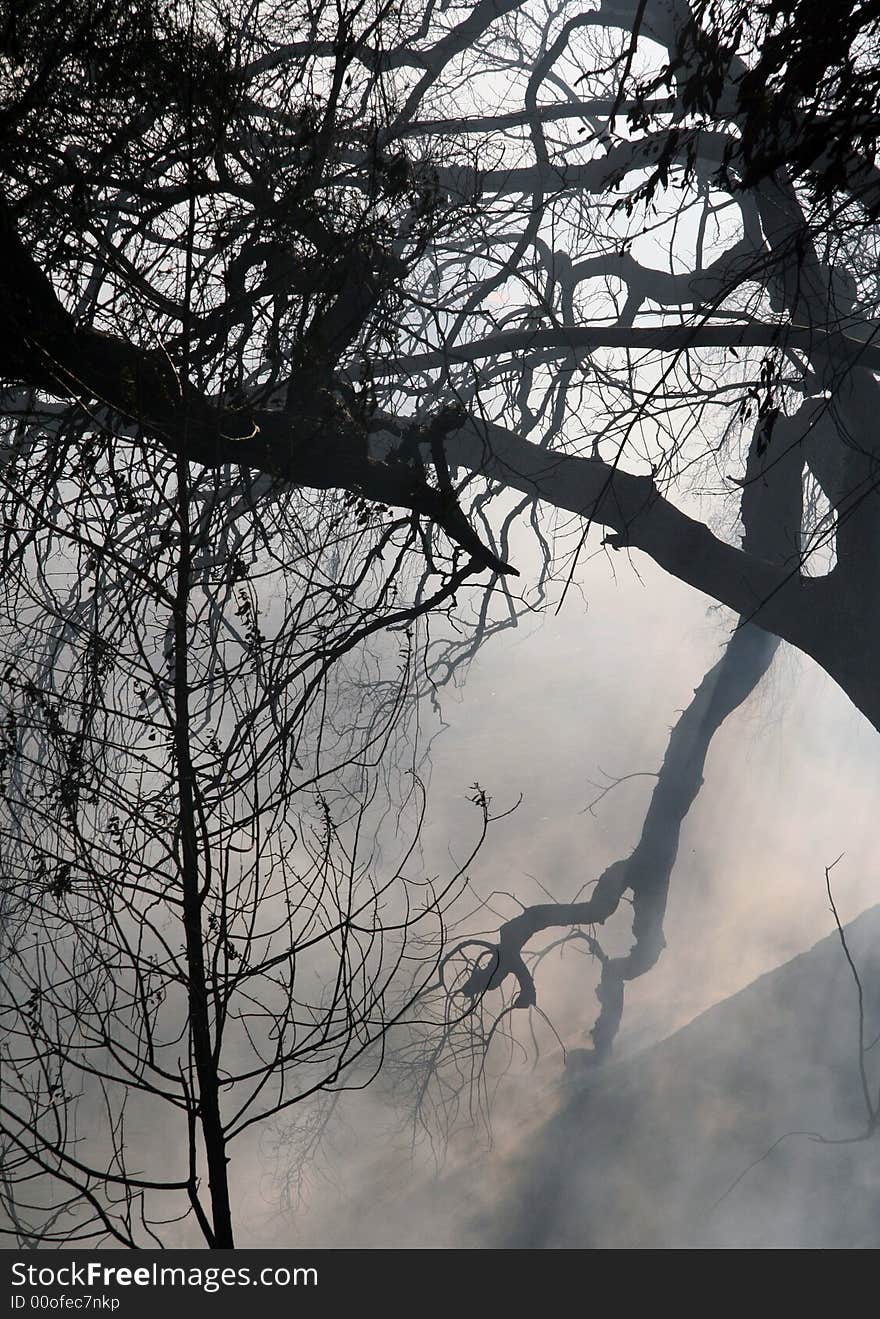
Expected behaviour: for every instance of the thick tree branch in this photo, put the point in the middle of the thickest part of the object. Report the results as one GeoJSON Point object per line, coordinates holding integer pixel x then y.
{"type": "Point", "coordinates": [316, 441]}
{"type": "Point", "coordinates": [631, 507]}
{"type": "Point", "coordinates": [771, 513]}
{"type": "Point", "coordinates": [855, 347]}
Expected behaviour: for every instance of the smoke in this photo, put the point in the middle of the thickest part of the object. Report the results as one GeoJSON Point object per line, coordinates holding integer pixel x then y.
{"type": "Point", "coordinates": [789, 785]}
{"type": "Point", "coordinates": [745, 1129]}
{"type": "Point", "coordinates": [639, 1153]}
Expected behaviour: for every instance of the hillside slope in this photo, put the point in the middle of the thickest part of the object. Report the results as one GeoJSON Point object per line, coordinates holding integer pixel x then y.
{"type": "Point", "coordinates": [639, 1154]}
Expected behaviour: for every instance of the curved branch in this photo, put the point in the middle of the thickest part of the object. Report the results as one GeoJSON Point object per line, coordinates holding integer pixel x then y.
{"type": "Point", "coordinates": [771, 513]}
{"type": "Point", "coordinates": [854, 347]}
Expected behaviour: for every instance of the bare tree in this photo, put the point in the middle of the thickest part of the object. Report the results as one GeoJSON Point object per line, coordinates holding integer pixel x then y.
{"type": "Point", "coordinates": [213, 904]}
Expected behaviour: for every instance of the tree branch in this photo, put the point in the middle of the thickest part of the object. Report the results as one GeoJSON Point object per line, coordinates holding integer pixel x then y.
{"type": "Point", "coordinates": [315, 442]}
{"type": "Point", "coordinates": [856, 348]}
{"type": "Point", "coordinates": [775, 597]}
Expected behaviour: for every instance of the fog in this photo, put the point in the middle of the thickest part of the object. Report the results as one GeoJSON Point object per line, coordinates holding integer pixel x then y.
{"type": "Point", "coordinates": [789, 787]}
{"type": "Point", "coordinates": [636, 1152]}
